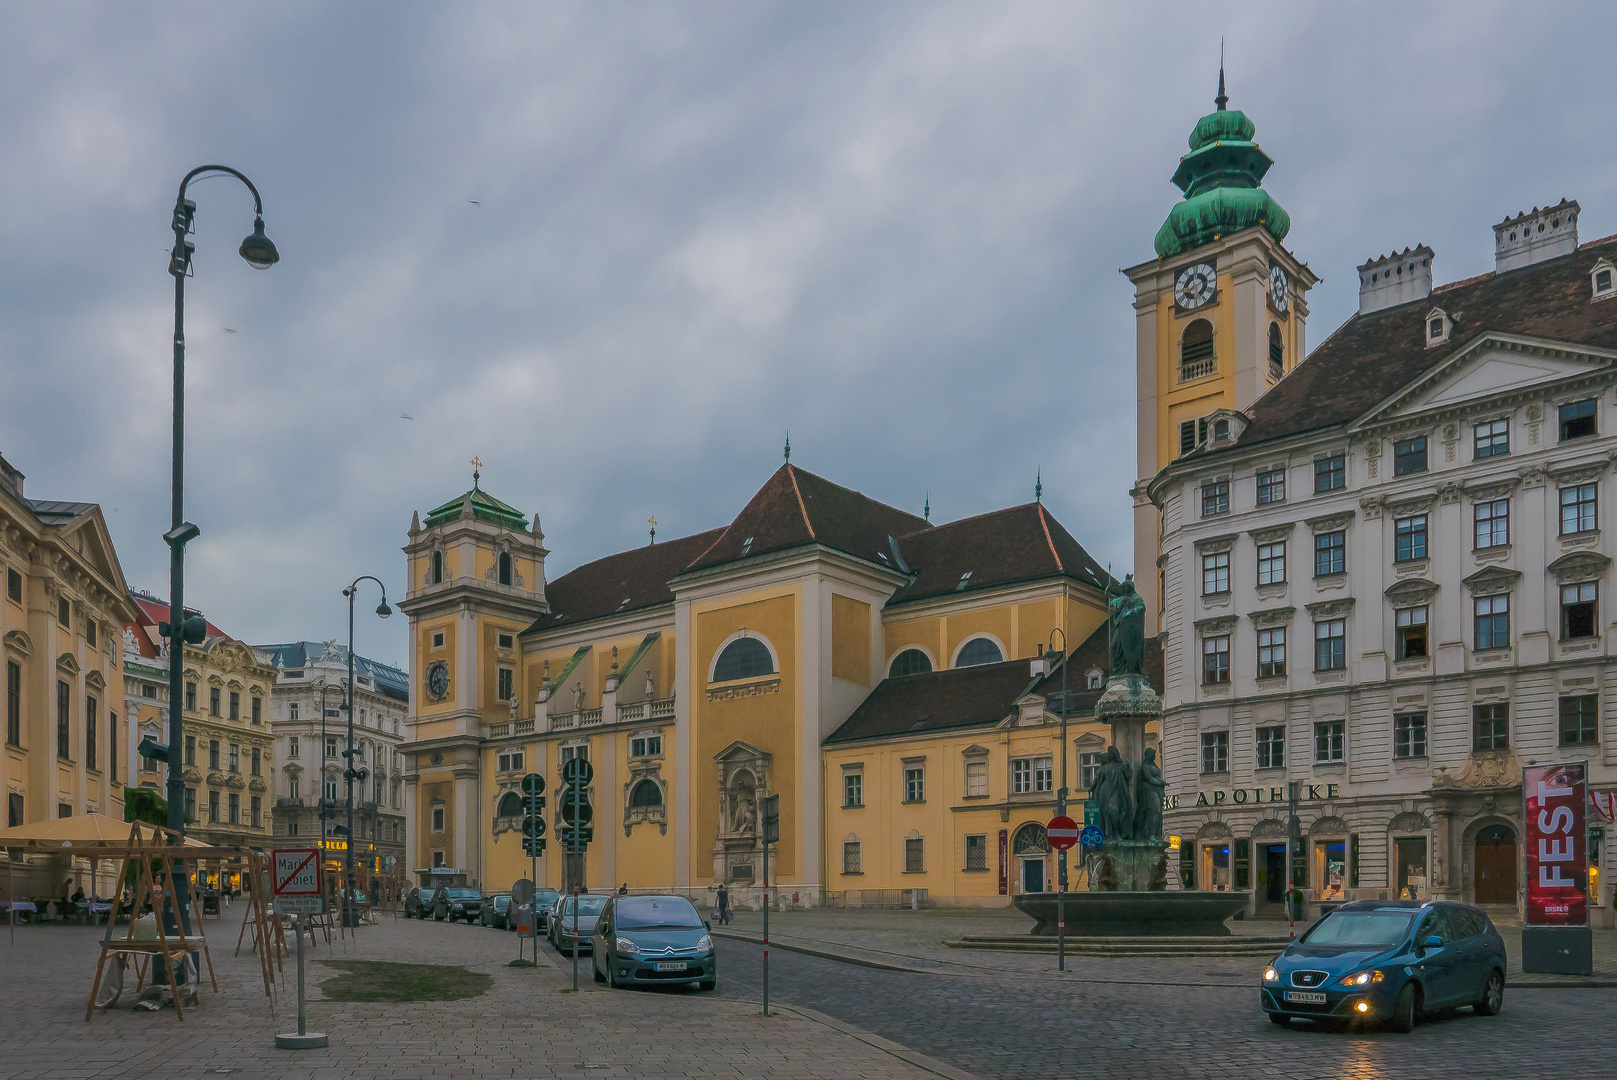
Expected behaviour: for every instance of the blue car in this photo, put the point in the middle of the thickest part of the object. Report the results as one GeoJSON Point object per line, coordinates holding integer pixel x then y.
{"type": "Point", "coordinates": [653, 939]}
{"type": "Point", "coordinates": [1388, 961]}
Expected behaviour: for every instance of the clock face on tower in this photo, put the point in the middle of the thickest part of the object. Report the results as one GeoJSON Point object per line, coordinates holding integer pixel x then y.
{"type": "Point", "coordinates": [1195, 286]}
{"type": "Point", "coordinates": [1279, 289]}
{"type": "Point", "coordinates": [438, 679]}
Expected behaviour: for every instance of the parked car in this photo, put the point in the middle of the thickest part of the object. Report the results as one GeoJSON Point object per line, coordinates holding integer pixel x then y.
{"type": "Point", "coordinates": [452, 902]}
{"type": "Point", "coordinates": [653, 939]}
{"type": "Point", "coordinates": [543, 901]}
{"type": "Point", "coordinates": [412, 904]}
{"type": "Point", "coordinates": [496, 911]}
{"type": "Point", "coordinates": [1388, 961]}
{"type": "Point", "coordinates": [568, 932]}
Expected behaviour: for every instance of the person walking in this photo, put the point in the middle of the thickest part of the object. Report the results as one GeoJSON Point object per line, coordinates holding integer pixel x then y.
{"type": "Point", "coordinates": [724, 906]}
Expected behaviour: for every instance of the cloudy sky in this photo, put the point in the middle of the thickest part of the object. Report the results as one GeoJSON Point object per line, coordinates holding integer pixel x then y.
{"type": "Point", "coordinates": [617, 250]}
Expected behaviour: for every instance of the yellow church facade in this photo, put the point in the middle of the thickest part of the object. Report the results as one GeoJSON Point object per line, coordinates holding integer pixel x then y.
{"type": "Point", "coordinates": [870, 668]}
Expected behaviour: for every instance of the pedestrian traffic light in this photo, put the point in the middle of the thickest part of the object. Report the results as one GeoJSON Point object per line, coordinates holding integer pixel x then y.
{"type": "Point", "coordinates": [576, 809]}
{"type": "Point", "coordinates": [533, 827]}
{"type": "Point", "coordinates": [771, 808]}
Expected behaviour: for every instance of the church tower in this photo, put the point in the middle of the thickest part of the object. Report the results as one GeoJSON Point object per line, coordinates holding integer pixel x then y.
{"type": "Point", "coordinates": [476, 581]}
{"type": "Point", "coordinates": [1219, 313]}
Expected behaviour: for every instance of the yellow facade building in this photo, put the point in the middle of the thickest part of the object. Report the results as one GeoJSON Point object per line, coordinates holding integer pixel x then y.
{"type": "Point", "coordinates": [819, 640]}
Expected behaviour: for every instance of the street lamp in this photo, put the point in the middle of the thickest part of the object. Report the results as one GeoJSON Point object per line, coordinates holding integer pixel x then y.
{"type": "Point", "coordinates": [1051, 654]}
{"type": "Point", "coordinates": [352, 772]}
{"type": "Point", "coordinates": [260, 253]}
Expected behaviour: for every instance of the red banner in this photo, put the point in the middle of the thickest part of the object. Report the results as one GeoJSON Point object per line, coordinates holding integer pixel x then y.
{"type": "Point", "coordinates": [1557, 853]}
{"type": "Point", "coordinates": [1004, 863]}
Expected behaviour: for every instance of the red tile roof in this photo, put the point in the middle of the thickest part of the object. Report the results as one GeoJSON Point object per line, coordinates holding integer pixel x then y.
{"type": "Point", "coordinates": [628, 581]}
{"type": "Point", "coordinates": [149, 611]}
{"type": "Point", "coordinates": [1022, 543]}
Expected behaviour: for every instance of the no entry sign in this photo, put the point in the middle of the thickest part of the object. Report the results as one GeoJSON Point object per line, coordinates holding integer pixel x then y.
{"type": "Point", "coordinates": [1062, 833]}
{"type": "Point", "coordinates": [295, 872]}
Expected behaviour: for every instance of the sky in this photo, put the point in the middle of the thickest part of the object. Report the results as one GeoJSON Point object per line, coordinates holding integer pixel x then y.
{"type": "Point", "coordinates": [618, 250]}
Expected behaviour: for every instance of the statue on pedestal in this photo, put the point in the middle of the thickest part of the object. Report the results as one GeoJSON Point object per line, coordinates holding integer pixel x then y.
{"type": "Point", "coordinates": [1125, 626]}
{"type": "Point", "coordinates": [1148, 799]}
{"type": "Point", "coordinates": [1113, 792]}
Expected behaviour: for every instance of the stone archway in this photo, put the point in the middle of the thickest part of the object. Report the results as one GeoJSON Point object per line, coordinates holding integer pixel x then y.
{"type": "Point", "coordinates": [1032, 850]}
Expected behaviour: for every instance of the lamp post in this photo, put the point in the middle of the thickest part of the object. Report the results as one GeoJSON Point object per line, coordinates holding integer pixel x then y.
{"type": "Point", "coordinates": [260, 253]}
{"type": "Point", "coordinates": [352, 772]}
{"type": "Point", "coordinates": [1061, 803]}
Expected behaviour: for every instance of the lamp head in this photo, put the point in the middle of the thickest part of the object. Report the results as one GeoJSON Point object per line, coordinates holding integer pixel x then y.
{"type": "Point", "coordinates": [258, 249]}
{"type": "Point", "coordinates": [383, 610]}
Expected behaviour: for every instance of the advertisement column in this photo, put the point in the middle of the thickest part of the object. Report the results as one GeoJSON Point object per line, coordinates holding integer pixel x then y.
{"type": "Point", "coordinates": [1556, 937]}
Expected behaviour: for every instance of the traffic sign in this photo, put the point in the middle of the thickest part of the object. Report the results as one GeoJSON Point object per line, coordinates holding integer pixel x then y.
{"type": "Point", "coordinates": [300, 905]}
{"type": "Point", "coordinates": [576, 810]}
{"type": "Point", "coordinates": [1062, 832]}
{"type": "Point", "coordinates": [533, 826]}
{"type": "Point", "coordinates": [577, 771]}
{"type": "Point", "coordinates": [1091, 837]}
{"type": "Point", "coordinates": [533, 784]}
{"type": "Point", "coordinates": [522, 891]}
{"type": "Point", "coordinates": [295, 872]}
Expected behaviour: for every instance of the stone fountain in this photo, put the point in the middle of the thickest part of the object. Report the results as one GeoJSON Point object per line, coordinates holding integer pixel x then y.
{"type": "Point", "coordinates": [1128, 878]}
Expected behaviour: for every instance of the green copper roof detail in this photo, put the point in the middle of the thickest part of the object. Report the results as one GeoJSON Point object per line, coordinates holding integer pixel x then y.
{"type": "Point", "coordinates": [485, 507]}
{"type": "Point", "coordinates": [1220, 178]}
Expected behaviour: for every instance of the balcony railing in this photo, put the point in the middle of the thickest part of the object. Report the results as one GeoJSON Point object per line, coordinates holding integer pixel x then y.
{"type": "Point", "coordinates": [1197, 369]}
{"type": "Point", "coordinates": [289, 800]}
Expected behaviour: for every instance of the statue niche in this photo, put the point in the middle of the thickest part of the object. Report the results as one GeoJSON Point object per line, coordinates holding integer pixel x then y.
{"type": "Point", "coordinates": [743, 778]}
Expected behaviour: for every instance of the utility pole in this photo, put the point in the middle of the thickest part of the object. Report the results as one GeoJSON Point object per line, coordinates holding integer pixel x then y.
{"type": "Point", "coordinates": [771, 831]}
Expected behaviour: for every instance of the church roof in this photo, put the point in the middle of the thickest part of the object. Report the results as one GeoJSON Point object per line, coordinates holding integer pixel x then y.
{"type": "Point", "coordinates": [1022, 543]}
{"type": "Point", "coordinates": [1373, 355]}
{"type": "Point", "coordinates": [485, 507]}
{"type": "Point", "coordinates": [795, 508]}
{"type": "Point", "coordinates": [628, 581]}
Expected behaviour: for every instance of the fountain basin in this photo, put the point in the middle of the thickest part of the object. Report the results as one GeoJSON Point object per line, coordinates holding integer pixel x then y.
{"type": "Point", "coordinates": [1135, 914]}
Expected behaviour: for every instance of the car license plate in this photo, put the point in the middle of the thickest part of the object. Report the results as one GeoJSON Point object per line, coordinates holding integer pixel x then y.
{"type": "Point", "coordinates": [1305, 997]}
{"type": "Point", "coordinates": [670, 965]}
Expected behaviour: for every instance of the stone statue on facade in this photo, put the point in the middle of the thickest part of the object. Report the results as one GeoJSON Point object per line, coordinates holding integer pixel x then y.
{"type": "Point", "coordinates": [578, 697]}
{"type": "Point", "coordinates": [743, 816]}
{"type": "Point", "coordinates": [1125, 629]}
{"type": "Point", "coordinates": [1113, 792]}
{"type": "Point", "coordinates": [651, 686]}
{"type": "Point", "coordinates": [1149, 790]}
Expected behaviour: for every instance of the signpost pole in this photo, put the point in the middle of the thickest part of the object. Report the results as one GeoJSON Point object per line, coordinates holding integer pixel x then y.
{"type": "Point", "coordinates": [575, 938]}
{"type": "Point", "coordinates": [303, 1027]}
{"type": "Point", "coordinates": [295, 886]}
{"type": "Point", "coordinates": [766, 924]}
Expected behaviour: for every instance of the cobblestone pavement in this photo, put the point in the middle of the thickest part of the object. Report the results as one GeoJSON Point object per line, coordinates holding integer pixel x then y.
{"type": "Point", "coordinates": [526, 1025]}
{"type": "Point", "coordinates": [1014, 1016]}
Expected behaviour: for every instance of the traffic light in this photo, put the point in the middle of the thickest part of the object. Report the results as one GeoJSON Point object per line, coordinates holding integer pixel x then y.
{"type": "Point", "coordinates": [533, 827]}
{"type": "Point", "coordinates": [193, 631]}
{"type": "Point", "coordinates": [152, 749]}
{"type": "Point", "coordinates": [576, 810]}
{"type": "Point", "coordinates": [771, 815]}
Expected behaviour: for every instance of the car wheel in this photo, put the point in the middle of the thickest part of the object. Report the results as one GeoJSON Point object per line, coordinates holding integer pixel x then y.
{"type": "Point", "coordinates": [1493, 995]}
{"type": "Point", "coordinates": [611, 979]}
{"type": "Point", "coordinates": [1280, 1019]}
{"type": "Point", "coordinates": [600, 978]}
{"type": "Point", "coordinates": [1403, 1011]}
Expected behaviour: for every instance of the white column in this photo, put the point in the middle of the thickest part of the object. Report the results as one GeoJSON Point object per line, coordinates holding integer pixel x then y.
{"type": "Point", "coordinates": [412, 857]}
{"type": "Point", "coordinates": [683, 766]}
{"type": "Point", "coordinates": [814, 676]}
{"type": "Point", "coordinates": [466, 661]}
{"type": "Point", "coordinates": [465, 808]}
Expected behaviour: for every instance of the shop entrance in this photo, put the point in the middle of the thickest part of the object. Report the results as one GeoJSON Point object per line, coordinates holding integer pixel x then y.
{"type": "Point", "coordinates": [1496, 866]}
{"type": "Point", "coordinates": [1032, 875]}
{"type": "Point", "coordinates": [1031, 846]}
{"type": "Point", "coordinates": [1409, 852]}
{"type": "Point", "coordinates": [1331, 865]}
{"type": "Point", "coordinates": [1216, 866]}
{"type": "Point", "coordinates": [1274, 873]}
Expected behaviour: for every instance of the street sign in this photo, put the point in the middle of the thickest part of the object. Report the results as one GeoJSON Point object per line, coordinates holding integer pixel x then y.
{"type": "Point", "coordinates": [295, 872]}
{"type": "Point", "coordinates": [533, 784]}
{"type": "Point", "coordinates": [388, 864]}
{"type": "Point", "coordinates": [522, 891]}
{"type": "Point", "coordinates": [1091, 837]}
{"type": "Point", "coordinates": [771, 815]}
{"type": "Point", "coordinates": [533, 826]}
{"type": "Point", "coordinates": [533, 848]}
{"type": "Point", "coordinates": [1062, 832]}
{"type": "Point", "coordinates": [577, 771]}
{"type": "Point", "coordinates": [300, 905]}
{"type": "Point", "coordinates": [576, 810]}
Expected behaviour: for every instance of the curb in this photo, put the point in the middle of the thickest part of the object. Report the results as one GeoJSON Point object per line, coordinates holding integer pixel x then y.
{"type": "Point", "coordinates": [886, 1046]}
{"type": "Point", "coordinates": [1607, 983]}
{"type": "Point", "coordinates": [824, 954]}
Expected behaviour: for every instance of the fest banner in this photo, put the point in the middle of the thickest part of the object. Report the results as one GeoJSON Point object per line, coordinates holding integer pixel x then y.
{"type": "Point", "coordinates": [1557, 856]}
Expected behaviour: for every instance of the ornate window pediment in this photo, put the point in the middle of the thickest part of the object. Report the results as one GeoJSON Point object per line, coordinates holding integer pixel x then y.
{"type": "Point", "coordinates": [1579, 566]}
{"type": "Point", "coordinates": [1498, 489]}
{"type": "Point", "coordinates": [1412, 821]}
{"type": "Point", "coordinates": [1579, 472]}
{"type": "Point", "coordinates": [1214, 544]}
{"type": "Point", "coordinates": [1213, 627]}
{"type": "Point", "coordinates": [1272, 533]}
{"type": "Point", "coordinates": [95, 680]}
{"type": "Point", "coordinates": [1328, 826]}
{"type": "Point", "coordinates": [1272, 616]}
{"type": "Point", "coordinates": [18, 641]}
{"type": "Point", "coordinates": [1330, 522]}
{"type": "Point", "coordinates": [1410, 592]}
{"type": "Point", "coordinates": [1491, 580]}
{"type": "Point", "coordinates": [67, 663]}
{"type": "Point", "coordinates": [1330, 609]}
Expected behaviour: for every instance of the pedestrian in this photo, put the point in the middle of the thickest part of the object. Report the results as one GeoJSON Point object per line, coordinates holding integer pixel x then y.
{"type": "Point", "coordinates": [724, 906]}
{"type": "Point", "coordinates": [623, 890]}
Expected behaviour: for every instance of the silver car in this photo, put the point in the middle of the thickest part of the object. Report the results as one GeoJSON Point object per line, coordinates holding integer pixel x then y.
{"type": "Point", "coordinates": [568, 930]}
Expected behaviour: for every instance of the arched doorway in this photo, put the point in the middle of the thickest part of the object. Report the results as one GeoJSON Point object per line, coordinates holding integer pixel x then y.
{"type": "Point", "coordinates": [1031, 848]}
{"type": "Point", "coordinates": [1495, 863]}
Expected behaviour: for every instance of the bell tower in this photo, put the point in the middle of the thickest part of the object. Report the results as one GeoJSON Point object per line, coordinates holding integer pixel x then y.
{"type": "Point", "coordinates": [1219, 313]}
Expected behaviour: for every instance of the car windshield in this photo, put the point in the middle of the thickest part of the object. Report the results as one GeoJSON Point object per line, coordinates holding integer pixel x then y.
{"type": "Point", "coordinates": [546, 896]}
{"type": "Point", "coordinates": [1361, 928]}
{"type": "Point", "coordinates": [465, 894]}
{"type": "Point", "coordinates": [587, 905]}
{"type": "Point", "coordinates": [647, 912]}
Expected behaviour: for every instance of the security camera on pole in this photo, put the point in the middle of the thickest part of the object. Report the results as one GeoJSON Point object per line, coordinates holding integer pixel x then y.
{"type": "Point", "coordinates": [576, 831]}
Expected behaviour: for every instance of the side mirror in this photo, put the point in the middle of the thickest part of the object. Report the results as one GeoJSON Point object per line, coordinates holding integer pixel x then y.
{"type": "Point", "coordinates": [1432, 941]}
{"type": "Point", "coordinates": [706, 925]}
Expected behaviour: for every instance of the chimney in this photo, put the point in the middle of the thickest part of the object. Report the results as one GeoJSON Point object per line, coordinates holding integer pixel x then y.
{"type": "Point", "coordinates": [1395, 279]}
{"type": "Point", "coordinates": [10, 478]}
{"type": "Point", "coordinates": [1536, 235]}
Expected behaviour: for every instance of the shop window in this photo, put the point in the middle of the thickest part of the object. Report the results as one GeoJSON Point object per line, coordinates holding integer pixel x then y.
{"type": "Point", "coordinates": [1271, 747]}
{"type": "Point", "coordinates": [978, 651]}
{"type": "Point", "coordinates": [1580, 720]}
{"type": "Point", "coordinates": [1216, 660]}
{"type": "Point", "coordinates": [1330, 553]}
{"type": "Point", "coordinates": [1409, 735]}
{"type": "Point", "coordinates": [1409, 856]}
{"type": "Point", "coordinates": [1215, 498]}
{"type": "Point", "coordinates": [1409, 456]}
{"type": "Point", "coordinates": [1492, 617]}
{"type": "Point", "coordinates": [1330, 474]}
{"type": "Point", "coordinates": [1412, 638]}
{"type": "Point", "coordinates": [1491, 439]}
{"type": "Point", "coordinates": [853, 789]}
{"type": "Point", "coordinates": [1578, 509]}
{"type": "Point", "coordinates": [1578, 604]}
{"type": "Point", "coordinates": [1216, 573]}
{"type": "Point", "coordinates": [1271, 652]}
{"type": "Point", "coordinates": [1409, 538]}
{"type": "Point", "coordinates": [1330, 645]}
{"type": "Point", "coordinates": [914, 784]}
{"type": "Point", "coordinates": [909, 662]}
{"type": "Point", "coordinates": [1215, 751]}
{"type": "Point", "coordinates": [1218, 866]}
{"type": "Point", "coordinates": [1330, 742]}
{"type": "Point", "coordinates": [1577, 419]}
{"type": "Point", "coordinates": [1490, 726]}
{"type": "Point", "coordinates": [851, 861]}
{"type": "Point", "coordinates": [976, 851]}
{"type": "Point", "coordinates": [1271, 486]}
{"type": "Point", "coordinates": [1272, 563]}
{"type": "Point", "coordinates": [1332, 860]}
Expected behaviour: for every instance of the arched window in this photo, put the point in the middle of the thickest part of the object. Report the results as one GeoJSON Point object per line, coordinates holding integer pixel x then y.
{"type": "Point", "coordinates": [1277, 350]}
{"type": "Point", "coordinates": [1196, 351]}
{"type": "Point", "coordinates": [910, 662]}
{"type": "Point", "coordinates": [1030, 840]}
{"type": "Point", "coordinates": [978, 651]}
{"type": "Point", "coordinates": [646, 793]}
{"type": "Point", "coordinates": [743, 658]}
{"type": "Point", "coordinates": [437, 567]}
{"type": "Point", "coordinates": [505, 568]}
{"type": "Point", "coordinates": [510, 805]}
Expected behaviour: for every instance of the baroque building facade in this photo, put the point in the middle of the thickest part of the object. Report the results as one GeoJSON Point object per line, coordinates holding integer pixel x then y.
{"type": "Point", "coordinates": [310, 733]}
{"type": "Point", "coordinates": [867, 666]}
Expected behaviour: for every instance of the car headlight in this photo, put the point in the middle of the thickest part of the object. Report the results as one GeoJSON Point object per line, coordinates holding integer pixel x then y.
{"type": "Point", "coordinates": [705, 945]}
{"type": "Point", "coordinates": [1362, 978]}
{"type": "Point", "coordinates": [1271, 975]}
{"type": "Point", "coordinates": [627, 947]}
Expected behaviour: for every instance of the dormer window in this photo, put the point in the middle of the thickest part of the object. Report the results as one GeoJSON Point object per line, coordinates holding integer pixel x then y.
{"type": "Point", "coordinates": [1094, 679]}
{"type": "Point", "coordinates": [1603, 280]}
{"type": "Point", "coordinates": [1438, 326]}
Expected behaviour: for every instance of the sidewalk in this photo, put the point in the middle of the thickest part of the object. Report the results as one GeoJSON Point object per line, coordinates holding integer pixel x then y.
{"type": "Point", "coordinates": [527, 1024]}
{"type": "Point", "coordinates": [917, 941]}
